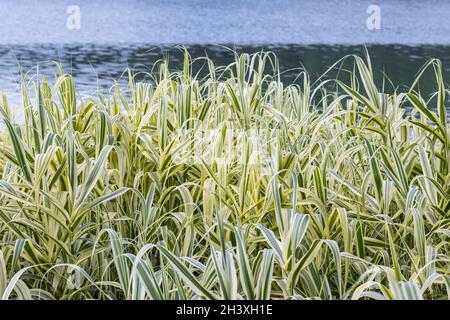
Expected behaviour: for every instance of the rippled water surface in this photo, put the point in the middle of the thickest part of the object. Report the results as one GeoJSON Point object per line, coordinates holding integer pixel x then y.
{"type": "Point", "coordinates": [116, 34]}
{"type": "Point", "coordinates": [226, 21]}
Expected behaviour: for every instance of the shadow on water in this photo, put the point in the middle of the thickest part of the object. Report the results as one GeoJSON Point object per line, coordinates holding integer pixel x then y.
{"type": "Point", "coordinates": [95, 66]}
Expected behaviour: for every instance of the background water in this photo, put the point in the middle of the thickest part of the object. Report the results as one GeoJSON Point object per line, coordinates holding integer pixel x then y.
{"type": "Point", "coordinates": [225, 21]}
{"type": "Point", "coordinates": [116, 34]}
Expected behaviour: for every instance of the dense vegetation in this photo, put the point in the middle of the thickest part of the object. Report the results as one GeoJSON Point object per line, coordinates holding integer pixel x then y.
{"type": "Point", "coordinates": [228, 185]}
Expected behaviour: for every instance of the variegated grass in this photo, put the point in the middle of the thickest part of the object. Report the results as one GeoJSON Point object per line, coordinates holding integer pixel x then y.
{"type": "Point", "coordinates": [96, 201]}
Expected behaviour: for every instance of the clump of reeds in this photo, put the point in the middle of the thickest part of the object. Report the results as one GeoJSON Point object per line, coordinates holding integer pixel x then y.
{"type": "Point", "coordinates": [228, 186]}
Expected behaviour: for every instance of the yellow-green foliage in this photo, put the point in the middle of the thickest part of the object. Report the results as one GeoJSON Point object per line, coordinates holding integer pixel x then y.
{"type": "Point", "coordinates": [99, 197]}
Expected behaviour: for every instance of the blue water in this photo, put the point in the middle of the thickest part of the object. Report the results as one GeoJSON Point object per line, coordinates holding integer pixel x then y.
{"type": "Point", "coordinates": [220, 21]}
{"type": "Point", "coordinates": [116, 34]}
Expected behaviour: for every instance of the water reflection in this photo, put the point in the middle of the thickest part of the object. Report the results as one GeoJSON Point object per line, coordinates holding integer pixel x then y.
{"type": "Point", "coordinates": [95, 66]}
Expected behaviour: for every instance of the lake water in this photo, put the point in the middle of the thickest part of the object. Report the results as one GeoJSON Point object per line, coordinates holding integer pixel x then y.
{"type": "Point", "coordinates": [225, 21]}
{"type": "Point", "coordinates": [119, 33]}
